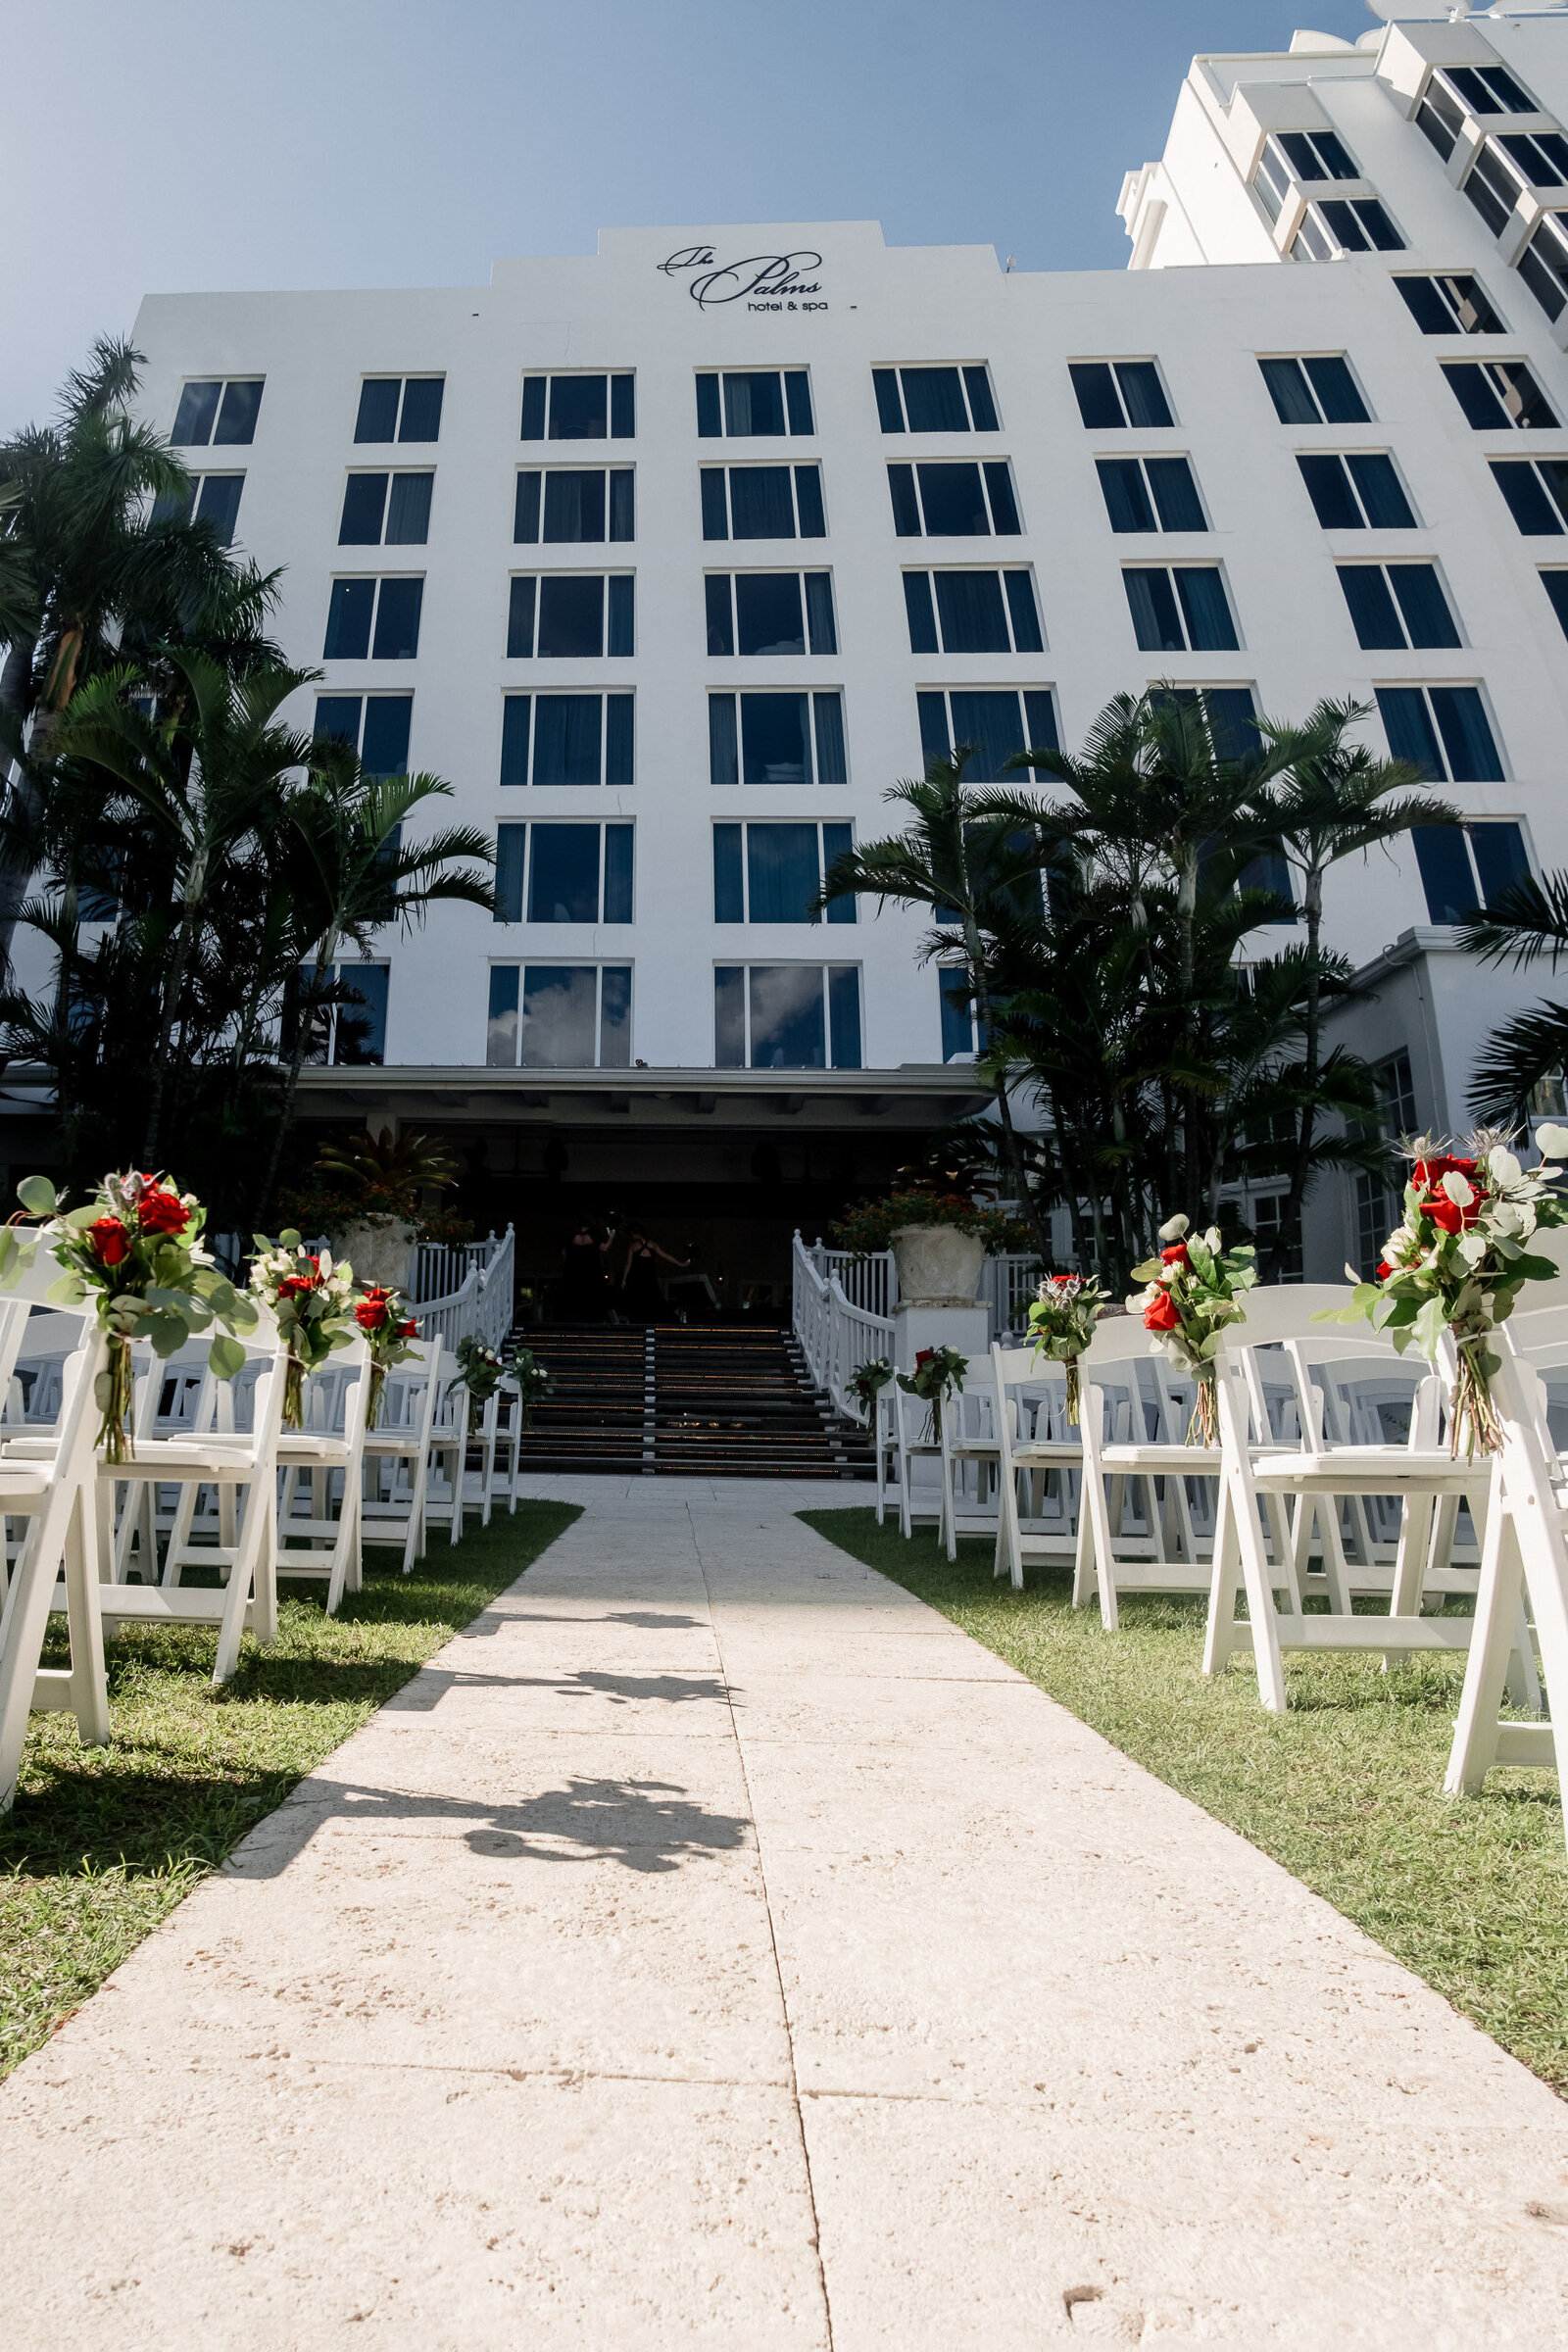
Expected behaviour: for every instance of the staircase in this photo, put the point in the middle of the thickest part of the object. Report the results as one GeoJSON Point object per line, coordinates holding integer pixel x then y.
{"type": "Point", "coordinates": [706, 1401]}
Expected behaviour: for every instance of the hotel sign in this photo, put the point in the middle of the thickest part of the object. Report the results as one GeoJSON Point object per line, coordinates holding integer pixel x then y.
{"type": "Point", "coordinates": [764, 281]}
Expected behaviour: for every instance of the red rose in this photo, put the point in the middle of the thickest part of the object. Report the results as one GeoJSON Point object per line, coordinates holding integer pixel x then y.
{"type": "Point", "coordinates": [370, 1312]}
{"type": "Point", "coordinates": [1448, 1215]}
{"type": "Point", "coordinates": [923, 1355]}
{"type": "Point", "coordinates": [107, 1241]}
{"type": "Point", "coordinates": [161, 1212]}
{"type": "Point", "coordinates": [1384, 1269]}
{"type": "Point", "coordinates": [298, 1286]}
{"type": "Point", "coordinates": [1175, 1255]}
{"type": "Point", "coordinates": [408, 1330]}
{"type": "Point", "coordinates": [1160, 1314]}
{"type": "Point", "coordinates": [1428, 1174]}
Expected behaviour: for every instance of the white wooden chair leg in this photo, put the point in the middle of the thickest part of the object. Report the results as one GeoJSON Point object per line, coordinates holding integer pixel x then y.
{"type": "Point", "coordinates": [1499, 1601]}
{"type": "Point", "coordinates": [89, 1689]}
{"type": "Point", "coordinates": [1225, 1577]}
{"type": "Point", "coordinates": [1255, 1571]}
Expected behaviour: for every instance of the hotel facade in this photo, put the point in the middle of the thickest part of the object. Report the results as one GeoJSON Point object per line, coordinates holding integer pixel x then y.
{"type": "Point", "coordinates": [673, 557]}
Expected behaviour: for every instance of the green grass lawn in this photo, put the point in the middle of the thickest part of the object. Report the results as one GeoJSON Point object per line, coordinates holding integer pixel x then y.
{"type": "Point", "coordinates": [1345, 1791]}
{"type": "Point", "coordinates": [104, 1841]}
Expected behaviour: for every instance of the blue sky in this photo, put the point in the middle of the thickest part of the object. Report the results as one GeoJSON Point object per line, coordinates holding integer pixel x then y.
{"type": "Point", "coordinates": [173, 144]}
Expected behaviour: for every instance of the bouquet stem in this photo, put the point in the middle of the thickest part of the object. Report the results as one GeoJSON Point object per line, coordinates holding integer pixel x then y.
{"type": "Point", "coordinates": [1204, 1427]}
{"type": "Point", "coordinates": [1471, 1405]}
{"type": "Point", "coordinates": [293, 1394]}
{"type": "Point", "coordinates": [115, 1392]}
{"type": "Point", "coordinates": [1072, 1391]}
{"type": "Point", "coordinates": [373, 1403]}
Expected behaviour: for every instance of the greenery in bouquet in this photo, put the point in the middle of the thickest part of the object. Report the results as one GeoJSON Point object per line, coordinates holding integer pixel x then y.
{"type": "Point", "coordinates": [531, 1382]}
{"type": "Point", "coordinates": [872, 1224]}
{"type": "Point", "coordinates": [382, 1314]}
{"type": "Point", "coordinates": [1458, 1259]}
{"type": "Point", "coordinates": [479, 1368]}
{"type": "Point", "coordinates": [939, 1372]}
{"type": "Point", "coordinates": [1193, 1291]}
{"type": "Point", "coordinates": [312, 1298]}
{"type": "Point", "coordinates": [134, 1250]}
{"type": "Point", "coordinates": [1061, 1322]}
{"type": "Point", "coordinates": [866, 1383]}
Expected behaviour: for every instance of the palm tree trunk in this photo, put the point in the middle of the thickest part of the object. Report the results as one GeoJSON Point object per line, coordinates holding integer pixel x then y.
{"type": "Point", "coordinates": [1012, 1147]}
{"type": "Point", "coordinates": [325, 959]}
{"type": "Point", "coordinates": [22, 806]}
{"type": "Point", "coordinates": [1289, 1224]}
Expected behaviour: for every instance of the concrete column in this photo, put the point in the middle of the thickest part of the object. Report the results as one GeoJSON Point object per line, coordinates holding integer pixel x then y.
{"type": "Point", "coordinates": [966, 1328]}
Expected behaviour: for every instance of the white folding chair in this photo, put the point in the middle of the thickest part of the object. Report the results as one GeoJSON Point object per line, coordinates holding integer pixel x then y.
{"type": "Point", "coordinates": [503, 1439]}
{"type": "Point", "coordinates": [1036, 1445]}
{"type": "Point", "coordinates": [971, 1456]}
{"type": "Point", "coordinates": [884, 1441]}
{"type": "Point", "coordinates": [1524, 1551]}
{"type": "Point", "coordinates": [325, 1455]}
{"type": "Point", "coordinates": [449, 1456]}
{"type": "Point", "coordinates": [397, 1454]}
{"type": "Point", "coordinates": [52, 1490]}
{"type": "Point", "coordinates": [914, 1443]}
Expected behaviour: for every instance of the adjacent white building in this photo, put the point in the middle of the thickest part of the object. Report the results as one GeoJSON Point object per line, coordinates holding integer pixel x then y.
{"type": "Point", "coordinates": [673, 558]}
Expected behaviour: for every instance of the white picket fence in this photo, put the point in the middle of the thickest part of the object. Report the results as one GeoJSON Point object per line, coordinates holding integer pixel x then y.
{"type": "Point", "coordinates": [478, 1300]}
{"type": "Point", "coordinates": [843, 1307]}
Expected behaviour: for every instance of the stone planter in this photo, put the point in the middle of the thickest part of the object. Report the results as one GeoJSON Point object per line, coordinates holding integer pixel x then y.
{"type": "Point", "coordinates": [378, 1248]}
{"type": "Point", "coordinates": [936, 1265]}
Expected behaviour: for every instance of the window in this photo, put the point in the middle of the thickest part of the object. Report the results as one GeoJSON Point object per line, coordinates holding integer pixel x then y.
{"type": "Point", "coordinates": [400, 407]}
{"type": "Point", "coordinates": [351, 1029]}
{"type": "Point", "coordinates": [571, 616]}
{"type": "Point", "coordinates": [1443, 730]}
{"type": "Point", "coordinates": [935, 400]}
{"type": "Point", "coordinates": [963, 1033]}
{"type": "Point", "coordinates": [1541, 157]}
{"type": "Point", "coordinates": [578, 408]}
{"type": "Point", "coordinates": [212, 498]}
{"type": "Point", "coordinates": [1467, 868]}
{"type": "Point", "coordinates": [1537, 492]}
{"type": "Point", "coordinates": [1357, 492]}
{"type": "Point", "coordinates": [1447, 304]}
{"type": "Point", "coordinates": [1345, 224]}
{"type": "Point", "coordinates": [560, 1016]}
{"type": "Point", "coordinates": [1182, 609]}
{"type": "Point", "coordinates": [1492, 187]}
{"type": "Point", "coordinates": [997, 723]}
{"type": "Point", "coordinates": [1441, 117]}
{"type": "Point", "coordinates": [1231, 714]}
{"type": "Point", "coordinates": [217, 413]}
{"type": "Point", "coordinates": [1499, 395]}
{"type": "Point", "coordinates": [1316, 389]}
{"type": "Point", "coordinates": [786, 1017]}
{"type": "Point", "coordinates": [962, 500]}
{"type": "Point", "coordinates": [1483, 90]}
{"type": "Point", "coordinates": [373, 518]}
{"type": "Point", "coordinates": [762, 502]}
{"type": "Point", "coordinates": [373, 620]}
{"type": "Point", "coordinates": [566, 739]}
{"type": "Point", "coordinates": [1299, 155]}
{"type": "Point", "coordinates": [764, 404]}
{"type": "Point", "coordinates": [563, 873]}
{"type": "Point", "coordinates": [972, 613]}
{"type": "Point", "coordinates": [1377, 1209]}
{"type": "Point", "coordinates": [772, 873]}
{"type": "Point", "coordinates": [1555, 583]}
{"type": "Point", "coordinates": [1544, 264]}
{"type": "Point", "coordinates": [1396, 605]}
{"type": "Point", "coordinates": [1119, 392]}
{"type": "Point", "coordinates": [775, 739]}
{"type": "Point", "coordinates": [770, 613]}
{"type": "Point", "coordinates": [569, 506]}
{"type": "Point", "coordinates": [376, 726]}
{"type": "Point", "coordinates": [1138, 490]}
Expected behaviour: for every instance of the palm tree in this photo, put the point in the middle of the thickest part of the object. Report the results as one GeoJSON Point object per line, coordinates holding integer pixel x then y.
{"type": "Point", "coordinates": [1524, 924]}
{"type": "Point", "coordinates": [1333, 799]}
{"type": "Point", "coordinates": [351, 874]}
{"type": "Point", "coordinates": [967, 868]}
{"type": "Point", "coordinates": [209, 777]}
{"type": "Point", "coordinates": [88, 574]}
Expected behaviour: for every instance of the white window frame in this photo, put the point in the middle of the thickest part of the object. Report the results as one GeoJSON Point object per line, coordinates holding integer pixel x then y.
{"type": "Point", "coordinates": [821, 965]}
{"type": "Point", "coordinates": [543, 468]}
{"type": "Point", "coordinates": [820, 922]}
{"type": "Point", "coordinates": [895, 367]}
{"type": "Point", "coordinates": [599, 965]}
{"type": "Point", "coordinates": [597, 920]}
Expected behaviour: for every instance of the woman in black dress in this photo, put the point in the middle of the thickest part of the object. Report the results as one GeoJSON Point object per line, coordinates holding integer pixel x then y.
{"type": "Point", "coordinates": [583, 1288]}
{"type": "Point", "coordinates": [641, 1299]}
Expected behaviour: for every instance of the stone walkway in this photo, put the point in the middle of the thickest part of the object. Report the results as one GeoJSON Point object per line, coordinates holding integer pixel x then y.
{"type": "Point", "coordinates": [713, 1947]}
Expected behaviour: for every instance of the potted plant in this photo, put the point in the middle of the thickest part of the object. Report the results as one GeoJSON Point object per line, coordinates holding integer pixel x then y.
{"type": "Point", "coordinates": [939, 1241]}
{"type": "Point", "coordinates": [374, 1186]}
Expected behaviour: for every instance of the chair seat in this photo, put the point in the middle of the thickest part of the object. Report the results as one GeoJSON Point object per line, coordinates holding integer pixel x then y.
{"type": "Point", "coordinates": [214, 1454]}
{"type": "Point", "coordinates": [20, 1480]}
{"type": "Point", "coordinates": [1196, 1461]}
{"type": "Point", "coordinates": [393, 1441]}
{"type": "Point", "coordinates": [313, 1447]}
{"type": "Point", "coordinates": [1369, 1470]}
{"type": "Point", "coordinates": [974, 1450]}
{"type": "Point", "coordinates": [1048, 1454]}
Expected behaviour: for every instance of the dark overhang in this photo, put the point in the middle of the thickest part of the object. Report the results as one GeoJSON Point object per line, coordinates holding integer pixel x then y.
{"type": "Point", "coordinates": [916, 1095]}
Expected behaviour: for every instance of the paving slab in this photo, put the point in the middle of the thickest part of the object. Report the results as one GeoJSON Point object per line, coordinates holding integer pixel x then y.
{"type": "Point", "coordinates": [713, 1947]}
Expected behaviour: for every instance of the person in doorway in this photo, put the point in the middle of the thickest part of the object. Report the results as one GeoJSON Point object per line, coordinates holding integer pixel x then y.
{"type": "Point", "coordinates": [641, 1299]}
{"type": "Point", "coordinates": [584, 1286]}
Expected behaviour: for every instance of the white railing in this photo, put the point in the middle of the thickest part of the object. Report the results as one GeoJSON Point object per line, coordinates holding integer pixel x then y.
{"type": "Point", "coordinates": [440, 1268]}
{"type": "Point", "coordinates": [481, 1303]}
{"type": "Point", "coordinates": [1007, 1283]}
{"type": "Point", "coordinates": [836, 1336]}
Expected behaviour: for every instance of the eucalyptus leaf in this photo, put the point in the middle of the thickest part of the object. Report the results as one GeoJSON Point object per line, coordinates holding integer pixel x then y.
{"type": "Point", "coordinates": [227, 1357]}
{"type": "Point", "coordinates": [38, 1197]}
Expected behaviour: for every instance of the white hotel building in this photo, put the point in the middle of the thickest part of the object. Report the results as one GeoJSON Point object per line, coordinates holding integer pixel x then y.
{"type": "Point", "coordinates": [673, 558]}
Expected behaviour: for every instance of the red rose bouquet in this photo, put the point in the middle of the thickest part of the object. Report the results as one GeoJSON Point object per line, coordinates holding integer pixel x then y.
{"type": "Point", "coordinates": [1062, 1323]}
{"type": "Point", "coordinates": [134, 1250]}
{"type": "Point", "coordinates": [383, 1317]}
{"type": "Point", "coordinates": [938, 1372]}
{"type": "Point", "coordinates": [1458, 1259]}
{"type": "Point", "coordinates": [1193, 1291]}
{"type": "Point", "coordinates": [312, 1301]}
